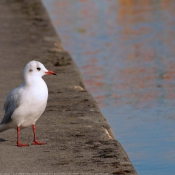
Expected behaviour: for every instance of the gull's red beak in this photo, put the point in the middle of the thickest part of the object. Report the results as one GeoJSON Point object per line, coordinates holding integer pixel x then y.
{"type": "Point", "coordinates": [50, 72]}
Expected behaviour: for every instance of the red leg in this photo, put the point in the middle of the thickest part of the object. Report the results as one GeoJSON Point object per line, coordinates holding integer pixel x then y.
{"type": "Point", "coordinates": [18, 138]}
{"type": "Point", "coordinates": [35, 141]}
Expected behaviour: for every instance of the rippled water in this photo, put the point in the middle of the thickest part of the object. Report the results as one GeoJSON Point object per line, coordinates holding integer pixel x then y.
{"type": "Point", "coordinates": [125, 50]}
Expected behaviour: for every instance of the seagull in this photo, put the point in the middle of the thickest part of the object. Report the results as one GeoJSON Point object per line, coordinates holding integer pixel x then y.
{"type": "Point", "coordinates": [26, 103]}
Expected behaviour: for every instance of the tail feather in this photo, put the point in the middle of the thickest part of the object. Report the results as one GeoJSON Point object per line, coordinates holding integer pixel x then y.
{"type": "Point", "coordinates": [4, 127]}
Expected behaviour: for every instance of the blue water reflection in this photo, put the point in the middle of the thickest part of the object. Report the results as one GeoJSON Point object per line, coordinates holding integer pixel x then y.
{"type": "Point", "coordinates": [125, 51]}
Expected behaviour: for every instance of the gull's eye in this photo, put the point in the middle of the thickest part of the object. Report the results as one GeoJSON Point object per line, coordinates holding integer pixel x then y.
{"type": "Point", "coordinates": [38, 68]}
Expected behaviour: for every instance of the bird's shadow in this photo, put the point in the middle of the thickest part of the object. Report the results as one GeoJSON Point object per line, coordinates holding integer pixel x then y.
{"type": "Point", "coordinates": [2, 140]}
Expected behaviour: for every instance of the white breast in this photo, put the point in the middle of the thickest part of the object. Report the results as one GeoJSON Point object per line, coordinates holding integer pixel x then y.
{"type": "Point", "coordinates": [32, 104]}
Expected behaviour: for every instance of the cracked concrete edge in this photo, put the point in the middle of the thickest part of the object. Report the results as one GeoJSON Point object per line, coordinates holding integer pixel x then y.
{"type": "Point", "coordinates": [108, 130]}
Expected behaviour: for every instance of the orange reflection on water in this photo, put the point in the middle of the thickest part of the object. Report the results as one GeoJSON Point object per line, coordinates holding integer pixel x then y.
{"type": "Point", "coordinates": [138, 35]}
{"type": "Point", "coordinates": [148, 65]}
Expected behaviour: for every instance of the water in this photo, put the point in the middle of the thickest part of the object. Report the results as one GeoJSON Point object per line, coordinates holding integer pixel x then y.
{"type": "Point", "coordinates": [125, 52]}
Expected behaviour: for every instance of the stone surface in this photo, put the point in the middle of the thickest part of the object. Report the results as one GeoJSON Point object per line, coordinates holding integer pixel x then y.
{"type": "Point", "coordinates": [79, 140]}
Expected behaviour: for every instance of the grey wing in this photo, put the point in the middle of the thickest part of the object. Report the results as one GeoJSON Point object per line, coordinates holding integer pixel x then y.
{"type": "Point", "coordinates": [12, 102]}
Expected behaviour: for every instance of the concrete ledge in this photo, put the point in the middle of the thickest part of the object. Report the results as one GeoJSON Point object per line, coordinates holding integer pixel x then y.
{"type": "Point", "coordinates": [79, 140]}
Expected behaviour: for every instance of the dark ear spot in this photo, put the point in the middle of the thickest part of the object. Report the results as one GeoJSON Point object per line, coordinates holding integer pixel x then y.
{"type": "Point", "coordinates": [30, 70]}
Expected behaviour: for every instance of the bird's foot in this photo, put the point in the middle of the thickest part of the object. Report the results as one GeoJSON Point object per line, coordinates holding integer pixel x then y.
{"type": "Point", "coordinates": [36, 142]}
{"type": "Point", "coordinates": [22, 144]}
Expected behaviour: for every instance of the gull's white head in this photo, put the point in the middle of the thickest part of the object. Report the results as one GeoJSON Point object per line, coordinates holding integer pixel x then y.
{"type": "Point", "coordinates": [35, 68]}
